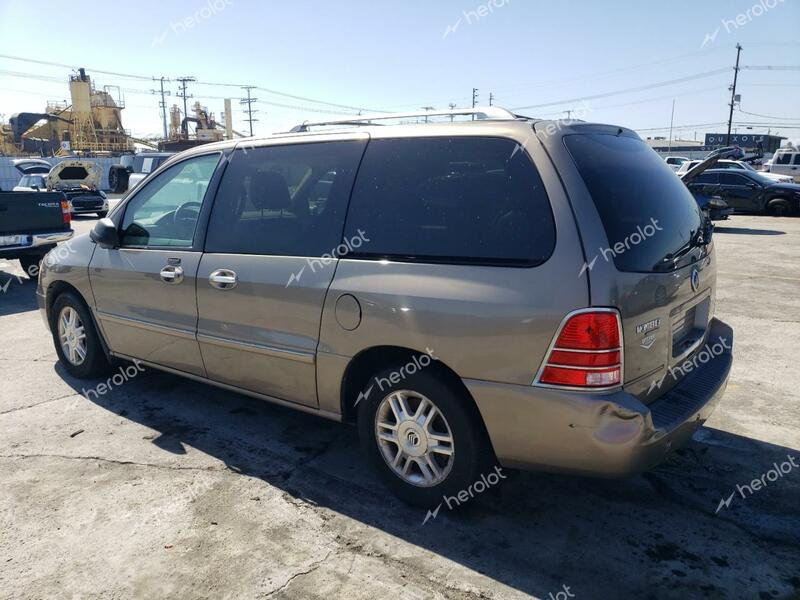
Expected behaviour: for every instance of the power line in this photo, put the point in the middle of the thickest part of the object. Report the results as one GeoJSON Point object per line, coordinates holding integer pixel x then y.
{"type": "Point", "coordinates": [629, 90]}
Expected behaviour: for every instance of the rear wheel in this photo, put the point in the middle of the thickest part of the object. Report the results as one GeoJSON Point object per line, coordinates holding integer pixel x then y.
{"type": "Point", "coordinates": [778, 207]}
{"type": "Point", "coordinates": [422, 438]}
{"type": "Point", "coordinates": [118, 179]}
{"type": "Point", "coordinates": [76, 340]}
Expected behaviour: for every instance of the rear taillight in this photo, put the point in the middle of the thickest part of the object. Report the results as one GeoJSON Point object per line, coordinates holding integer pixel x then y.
{"type": "Point", "coordinates": [587, 352]}
{"type": "Point", "coordinates": [65, 213]}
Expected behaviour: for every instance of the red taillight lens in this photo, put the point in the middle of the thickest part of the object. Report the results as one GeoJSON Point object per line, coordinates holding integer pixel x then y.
{"type": "Point", "coordinates": [587, 352]}
{"type": "Point", "coordinates": [65, 214]}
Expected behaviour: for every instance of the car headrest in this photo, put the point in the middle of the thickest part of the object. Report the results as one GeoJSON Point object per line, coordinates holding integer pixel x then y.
{"type": "Point", "coordinates": [268, 191]}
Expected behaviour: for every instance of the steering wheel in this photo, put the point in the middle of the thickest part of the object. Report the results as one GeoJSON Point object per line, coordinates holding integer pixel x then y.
{"type": "Point", "coordinates": [186, 214]}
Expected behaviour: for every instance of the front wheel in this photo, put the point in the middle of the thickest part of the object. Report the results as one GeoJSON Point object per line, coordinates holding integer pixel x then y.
{"type": "Point", "coordinates": [76, 339]}
{"type": "Point", "coordinates": [422, 438]}
{"type": "Point", "coordinates": [778, 207]}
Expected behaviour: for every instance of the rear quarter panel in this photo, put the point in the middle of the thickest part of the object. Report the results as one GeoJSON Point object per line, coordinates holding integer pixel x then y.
{"type": "Point", "coordinates": [485, 323]}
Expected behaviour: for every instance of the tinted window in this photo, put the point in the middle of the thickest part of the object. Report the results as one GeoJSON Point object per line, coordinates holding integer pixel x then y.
{"type": "Point", "coordinates": [451, 199]}
{"type": "Point", "coordinates": [633, 189]}
{"type": "Point", "coordinates": [165, 211]}
{"type": "Point", "coordinates": [783, 159]}
{"type": "Point", "coordinates": [733, 179]}
{"type": "Point", "coordinates": [284, 200]}
{"type": "Point", "coordinates": [796, 160]}
{"type": "Point", "coordinates": [706, 178]}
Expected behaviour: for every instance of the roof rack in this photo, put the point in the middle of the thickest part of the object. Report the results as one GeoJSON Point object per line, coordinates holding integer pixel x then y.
{"type": "Point", "coordinates": [479, 112]}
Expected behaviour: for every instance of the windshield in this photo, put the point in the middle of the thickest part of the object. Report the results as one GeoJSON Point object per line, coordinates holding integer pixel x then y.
{"type": "Point", "coordinates": [649, 214]}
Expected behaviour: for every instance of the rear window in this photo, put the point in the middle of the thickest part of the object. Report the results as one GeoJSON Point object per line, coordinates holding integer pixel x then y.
{"type": "Point", "coordinates": [451, 199]}
{"type": "Point", "coordinates": [646, 211]}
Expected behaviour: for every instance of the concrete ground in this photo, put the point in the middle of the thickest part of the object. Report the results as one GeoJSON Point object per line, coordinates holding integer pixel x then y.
{"type": "Point", "coordinates": [165, 487]}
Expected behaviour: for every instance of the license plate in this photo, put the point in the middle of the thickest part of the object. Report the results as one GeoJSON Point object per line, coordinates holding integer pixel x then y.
{"type": "Point", "coordinates": [14, 240]}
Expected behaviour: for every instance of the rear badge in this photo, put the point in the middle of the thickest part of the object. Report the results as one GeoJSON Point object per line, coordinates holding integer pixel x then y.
{"type": "Point", "coordinates": [647, 342]}
{"type": "Point", "coordinates": [649, 326]}
{"type": "Point", "coordinates": [695, 280]}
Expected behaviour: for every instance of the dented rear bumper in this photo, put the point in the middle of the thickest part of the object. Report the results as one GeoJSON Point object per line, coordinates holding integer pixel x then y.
{"type": "Point", "coordinates": [611, 434]}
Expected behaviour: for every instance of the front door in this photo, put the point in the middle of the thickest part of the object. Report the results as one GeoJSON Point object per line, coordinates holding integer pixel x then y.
{"type": "Point", "coordinates": [144, 290]}
{"type": "Point", "coordinates": [273, 243]}
{"type": "Point", "coordinates": [739, 191]}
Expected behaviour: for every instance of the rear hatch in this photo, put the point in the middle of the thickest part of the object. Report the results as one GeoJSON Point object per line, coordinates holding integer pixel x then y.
{"type": "Point", "coordinates": [32, 166]}
{"type": "Point", "coordinates": [655, 263]}
{"type": "Point", "coordinates": [31, 212]}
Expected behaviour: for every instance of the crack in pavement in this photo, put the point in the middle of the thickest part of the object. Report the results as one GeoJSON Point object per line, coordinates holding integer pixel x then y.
{"type": "Point", "coordinates": [10, 410]}
{"type": "Point", "coordinates": [316, 565]}
{"type": "Point", "coordinates": [122, 462]}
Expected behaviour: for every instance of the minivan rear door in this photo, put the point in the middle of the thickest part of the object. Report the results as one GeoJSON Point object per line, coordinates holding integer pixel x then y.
{"type": "Point", "coordinates": [273, 242]}
{"type": "Point", "coordinates": [647, 249]}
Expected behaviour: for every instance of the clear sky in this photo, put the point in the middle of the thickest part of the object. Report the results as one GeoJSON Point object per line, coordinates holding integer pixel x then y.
{"type": "Point", "coordinates": [406, 55]}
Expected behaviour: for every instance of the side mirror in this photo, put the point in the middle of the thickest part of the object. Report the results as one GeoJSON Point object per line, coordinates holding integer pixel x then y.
{"type": "Point", "coordinates": [105, 234]}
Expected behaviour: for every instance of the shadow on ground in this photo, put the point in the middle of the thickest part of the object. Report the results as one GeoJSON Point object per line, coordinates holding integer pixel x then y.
{"type": "Point", "coordinates": [17, 291]}
{"type": "Point", "coordinates": [651, 536]}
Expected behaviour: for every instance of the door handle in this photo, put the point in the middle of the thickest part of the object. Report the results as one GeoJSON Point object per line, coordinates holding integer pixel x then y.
{"type": "Point", "coordinates": [223, 279]}
{"type": "Point", "coordinates": [172, 274]}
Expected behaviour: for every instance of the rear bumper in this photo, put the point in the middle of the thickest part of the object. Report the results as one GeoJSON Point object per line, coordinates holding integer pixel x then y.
{"type": "Point", "coordinates": [35, 243]}
{"type": "Point", "coordinates": [608, 435]}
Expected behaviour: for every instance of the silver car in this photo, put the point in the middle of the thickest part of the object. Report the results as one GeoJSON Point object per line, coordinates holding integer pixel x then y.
{"type": "Point", "coordinates": [538, 294]}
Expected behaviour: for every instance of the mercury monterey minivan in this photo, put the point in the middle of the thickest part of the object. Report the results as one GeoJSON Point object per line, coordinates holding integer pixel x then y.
{"type": "Point", "coordinates": [538, 294]}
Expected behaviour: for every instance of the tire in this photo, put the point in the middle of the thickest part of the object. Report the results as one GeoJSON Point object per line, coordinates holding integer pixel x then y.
{"type": "Point", "coordinates": [30, 264]}
{"type": "Point", "coordinates": [778, 207]}
{"type": "Point", "coordinates": [471, 455]}
{"type": "Point", "coordinates": [94, 362]}
{"type": "Point", "coordinates": [102, 214]}
{"type": "Point", "coordinates": [118, 179]}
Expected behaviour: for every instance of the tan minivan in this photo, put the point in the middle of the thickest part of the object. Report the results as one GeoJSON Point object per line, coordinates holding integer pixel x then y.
{"type": "Point", "coordinates": [501, 289]}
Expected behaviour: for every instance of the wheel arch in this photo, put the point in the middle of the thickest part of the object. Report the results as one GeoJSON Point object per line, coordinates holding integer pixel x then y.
{"type": "Point", "coordinates": [369, 361]}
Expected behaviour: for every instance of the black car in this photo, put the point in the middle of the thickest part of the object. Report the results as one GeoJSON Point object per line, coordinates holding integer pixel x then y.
{"type": "Point", "coordinates": [746, 191]}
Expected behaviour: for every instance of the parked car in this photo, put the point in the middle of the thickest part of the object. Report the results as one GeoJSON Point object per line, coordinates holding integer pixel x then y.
{"type": "Point", "coordinates": [31, 224]}
{"type": "Point", "coordinates": [738, 165]}
{"type": "Point", "coordinates": [786, 161]}
{"type": "Point", "coordinates": [713, 207]}
{"type": "Point", "coordinates": [79, 180]}
{"type": "Point", "coordinates": [747, 191]}
{"type": "Point", "coordinates": [675, 161]}
{"type": "Point", "coordinates": [438, 296]}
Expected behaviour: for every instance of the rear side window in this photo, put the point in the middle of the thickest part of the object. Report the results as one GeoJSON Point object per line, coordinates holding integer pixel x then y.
{"type": "Point", "coordinates": [706, 178]}
{"type": "Point", "coordinates": [451, 199]}
{"type": "Point", "coordinates": [646, 211]}
{"type": "Point", "coordinates": [733, 179]}
{"type": "Point", "coordinates": [284, 200]}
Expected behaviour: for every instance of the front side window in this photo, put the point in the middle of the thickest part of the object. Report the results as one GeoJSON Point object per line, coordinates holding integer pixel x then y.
{"type": "Point", "coordinates": [706, 178]}
{"type": "Point", "coordinates": [284, 200]}
{"type": "Point", "coordinates": [784, 159]}
{"type": "Point", "coordinates": [733, 179]}
{"type": "Point", "coordinates": [165, 211]}
{"type": "Point", "coordinates": [451, 199]}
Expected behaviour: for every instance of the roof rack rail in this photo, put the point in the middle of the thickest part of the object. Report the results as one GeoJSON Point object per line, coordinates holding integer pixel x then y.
{"type": "Point", "coordinates": [479, 112]}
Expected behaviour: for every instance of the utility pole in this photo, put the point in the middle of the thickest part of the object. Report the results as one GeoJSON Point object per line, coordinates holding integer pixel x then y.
{"type": "Point", "coordinates": [569, 114]}
{"type": "Point", "coordinates": [733, 93]}
{"type": "Point", "coordinates": [428, 109]}
{"type": "Point", "coordinates": [671, 121]}
{"type": "Point", "coordinates": [163, 103]}
{"type": "Point", "coordinates": [182, 94]}
{"type": "Point", "coordinates": [249, 103]}
{"type": "Point", "coordinates": [452, 106]}
{"type": "Point", "coordinates": [474, 99]}
{"type": "Point", "coordinates": [491, 99]}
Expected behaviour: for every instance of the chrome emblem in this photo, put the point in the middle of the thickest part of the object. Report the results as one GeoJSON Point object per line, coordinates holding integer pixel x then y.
{"type": "Point", "coordinates": [649, 326]}
{"type": "Point", "coordinates": [695, 280]}
{"type": "Point", "coordinates": [412, 438]}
